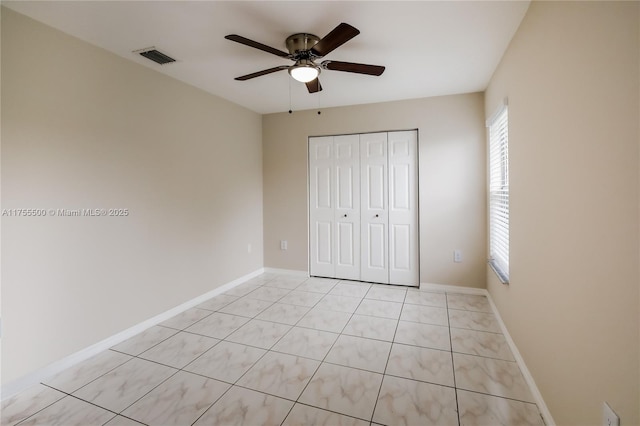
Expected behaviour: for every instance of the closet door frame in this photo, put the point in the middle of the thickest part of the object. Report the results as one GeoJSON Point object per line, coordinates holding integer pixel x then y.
{"type": "Point", "coordinates": [325, 251]}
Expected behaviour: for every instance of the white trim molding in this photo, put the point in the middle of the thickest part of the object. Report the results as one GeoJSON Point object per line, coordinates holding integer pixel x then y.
{"type": "Point", "coordinates": [35, 377]}
{"type": "Point", "coordinates": [544, 410]}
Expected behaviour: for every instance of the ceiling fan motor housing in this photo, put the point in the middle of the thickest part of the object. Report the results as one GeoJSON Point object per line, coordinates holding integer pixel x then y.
{"type": "Point", "coordinates": [300, 44]}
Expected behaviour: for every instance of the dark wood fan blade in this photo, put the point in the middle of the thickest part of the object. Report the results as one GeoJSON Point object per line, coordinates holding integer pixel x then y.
{"type": "Point", "coordinates": [336, 38]}
{"type": "Point", "coordinates": [256, 45]}
{"type": "Point", "coordinates": [260, 73]}
{"type": "Point", "coordinates": [314, 86]}
{"type": "Point", "coordinates": [353, 67]}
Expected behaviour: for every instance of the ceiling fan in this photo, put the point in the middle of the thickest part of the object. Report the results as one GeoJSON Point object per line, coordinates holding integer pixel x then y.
{"type": "Point", "coordinates": [305, 49]}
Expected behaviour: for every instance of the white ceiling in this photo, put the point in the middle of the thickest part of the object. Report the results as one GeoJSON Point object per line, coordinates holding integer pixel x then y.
{"type": "Point", "coordinates": [430, 48]}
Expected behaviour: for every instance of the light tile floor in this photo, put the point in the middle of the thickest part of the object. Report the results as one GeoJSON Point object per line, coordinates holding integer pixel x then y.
{"type": "Point", "coordinates": [288, 350]}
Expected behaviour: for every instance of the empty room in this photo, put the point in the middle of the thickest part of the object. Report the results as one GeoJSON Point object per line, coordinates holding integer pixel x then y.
{"type": "Point", "coordinates": [320, 213]}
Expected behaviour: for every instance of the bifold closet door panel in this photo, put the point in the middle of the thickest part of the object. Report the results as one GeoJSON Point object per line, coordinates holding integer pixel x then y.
{"type": "Point", "coordinates": [321, 207]}
{"type": "Point", "coordinates": [347, 206]}
{"type": "Point", "coordinates": [374, 265]}
{"type": "Point", "coordinates": [403, 208]}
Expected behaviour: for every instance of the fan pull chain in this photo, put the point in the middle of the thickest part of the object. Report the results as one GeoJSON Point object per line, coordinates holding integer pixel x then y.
{"type": "Point", "coordinates": [289, 79]}
{"type": "Point", "coordinates": [319, 102]}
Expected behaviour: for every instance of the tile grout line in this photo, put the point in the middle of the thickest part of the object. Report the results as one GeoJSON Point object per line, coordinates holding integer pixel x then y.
{"type": "Point", "coordinates": [453, 366]}
{"type": "Point", "coordinates": [270, 349]}
{"type": "Point", "coordinates": [241, 376]}
{"type": "Point", "coordinates": [319, 364]}
{"type": "Point", "coordinates": [327, 354]}
{"type": "Point", "coordinates": [384, 373]}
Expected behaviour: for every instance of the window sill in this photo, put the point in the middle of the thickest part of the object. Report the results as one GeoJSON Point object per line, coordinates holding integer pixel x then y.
{"type": "Point", "coordinates": [502, 276]}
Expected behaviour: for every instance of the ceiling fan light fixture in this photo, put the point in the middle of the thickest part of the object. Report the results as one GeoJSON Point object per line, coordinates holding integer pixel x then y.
{"type": "Point", "coordinates": [304, 71]}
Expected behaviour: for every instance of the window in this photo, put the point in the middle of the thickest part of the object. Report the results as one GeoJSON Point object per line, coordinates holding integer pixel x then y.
{"type": "Point", "coordinates": [499, 194]}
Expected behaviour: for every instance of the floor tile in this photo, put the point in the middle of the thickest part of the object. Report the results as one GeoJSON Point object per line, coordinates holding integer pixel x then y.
{"type": "Point", "coordinates": [339, 303]}
{"type": "Point", "coordinates": [474, 321]}
{"type": "Point", "coordinates": [259, 280]}
{"type": "Point", "coordinates": [409, 402]}
{"type": "Point", "coordinates": [427, 365]}
{"type": "Point", "coordinates": [186, 318]}
{"type": "Point", "coordinates": [343, 390]}
{"type": "Point", "coordinates": [421, 297]}
{"type": "Point", "coordinates": [371, 327]}
{"type": "Point", "coordinates": [122, 421]}
{"type": "Point", "coordinates": [302, 298]}
{"type": "Point", "coordinates": [469, 302]}
{"type": "Point", "coordinates": [357, 352]}
{"type": "Point", "coordinates": [479, 409]}
{"type": "Point", "coordinates": [270, 294]}
{"type": "Point", "coordinates": [425, 335]}
{"type": "Point", "coordinates": [126, 384]}
{"type": "Point", "coordinates": [243, 289]}
{"type": "Point", "coordinates": [280, 374]}
{"type": "Point", "coordinates": [387, 293]}
{"type": "Point", "coordinates": [218, 325]}
{"type": "Point", "coordinates": [218, 302]}
{"type": "Point", "coordinates": [306, 342]}
{"type": "Point", "coordinates": [145, 340]}
{"type": "Point", "coordinates": [380, 308]}
{"type": "Point", "coordinates": [70, 411]}
{"type": "Point", "coordinates": [28, 402]}
{"type": "Point", "coordinates": [305, 415]}
{"type": "Point", "coordinates": [241, 406]}
{"type": "Point", "coordinates": [246, 307]}
{"type": "Point", "coordinates": [424, 314]}
{"type": "Point", "coordinates": [491, 345]}
{"type": "Point", "coordinates": [283, 313]}
{"type": "Point", "coordinates": [490, 376]}
{"type": "Point", "coordinates": [322, 342]}
{"type": "Point", "coordinates": [286, 282]}
{"type": "Point", "coordinates": [318, 285]}
{"type": "Point", "coordinates": [179, 349]}
{"type": "Point", "coordinates": [180, 400]}
{"type": "Point", "coordinates": [350, 290]}
{"type": "Point", "coordinates": [322, 319]}
{"type": "Point", "coordinates": [79, 375]}
{"type": "Point", "coordinates": [226, 361]}
{"type": "Point", "coordinates": [263, 334]}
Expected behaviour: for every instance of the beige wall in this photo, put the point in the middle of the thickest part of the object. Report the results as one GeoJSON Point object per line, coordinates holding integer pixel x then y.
{"type": "Point", "coordinates": [452, 180]}
{"type": "Point", "coordinates": [82, 128]}
{"type": "Point", "coordinates": [571, 74]}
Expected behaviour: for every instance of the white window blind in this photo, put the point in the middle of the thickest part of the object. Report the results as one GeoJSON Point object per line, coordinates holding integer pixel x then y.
{"type": "Point", "coordinates": [499, 194]}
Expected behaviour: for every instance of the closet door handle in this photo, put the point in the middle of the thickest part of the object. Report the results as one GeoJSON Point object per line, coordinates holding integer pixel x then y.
{"type": "Point", "coordinates": [345, 215]}
{"type": "Point", "coordinates": [377, 215]}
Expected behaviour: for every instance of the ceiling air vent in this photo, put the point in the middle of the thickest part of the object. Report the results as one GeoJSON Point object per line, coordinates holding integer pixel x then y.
{"type": "Point", "coordinates": [156, 56]}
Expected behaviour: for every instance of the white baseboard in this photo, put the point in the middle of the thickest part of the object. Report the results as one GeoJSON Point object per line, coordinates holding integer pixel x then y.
{"type": "Point", "coordinates": [447, 288]}
{"type": "Point", "coordinates": [37, 376]}
{"type": "Point", "coordinates": [544, 410]}
{"type": "Point", "coordinates": [22, 383]}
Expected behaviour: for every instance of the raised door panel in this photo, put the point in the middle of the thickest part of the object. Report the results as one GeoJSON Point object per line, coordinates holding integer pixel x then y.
{"type": "Point", "coordinates": [374, 206]}
{"type": "Point", "coordinates": [403, 208]}
{"type": "Point", "coordinates": [321, 207]}
{"type": "Point", "coordinates": [347, 210]}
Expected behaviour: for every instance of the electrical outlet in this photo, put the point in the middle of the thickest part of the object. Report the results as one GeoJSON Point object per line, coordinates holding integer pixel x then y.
{"type": "Point", "coordinates": [457, 256]}
{"type": "Point", "coordinates": [609, 417]}
{"type": "Point", "coordinates": [249, 248]}
{"type": "Point", "coordinates": [283, 244]}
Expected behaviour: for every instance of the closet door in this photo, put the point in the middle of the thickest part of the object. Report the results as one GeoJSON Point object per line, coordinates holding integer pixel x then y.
{"type": "Point", "coordinates": [403, 208]}
{"type": "Point", "coordinates": [321, 207]}
{"type": "Point", "coordinates": [374, 264]}
{"type": "Point", "coordinates": [347, 212]}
